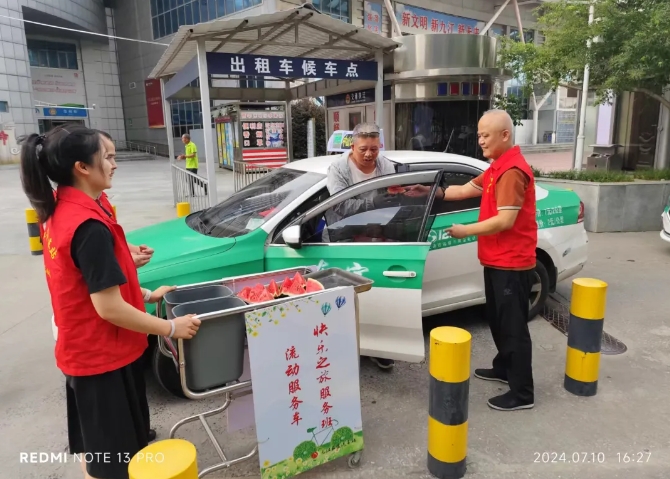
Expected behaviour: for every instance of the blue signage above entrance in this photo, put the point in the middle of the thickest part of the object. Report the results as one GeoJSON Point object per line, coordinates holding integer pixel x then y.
{"type": "Point", "coordinates": [65, 111]}
{"type": "Point", "coordinates": [288, 67]}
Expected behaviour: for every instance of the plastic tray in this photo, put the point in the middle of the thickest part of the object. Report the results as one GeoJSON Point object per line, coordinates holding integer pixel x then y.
{"type": "Point", "coordinates": [335, 277]}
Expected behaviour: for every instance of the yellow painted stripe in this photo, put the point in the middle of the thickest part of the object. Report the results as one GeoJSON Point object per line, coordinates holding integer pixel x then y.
{"type": "Point", "coordinates": [588, 298]}
{"type": "Point", "coordinates": [450, 354]}
{"type": "Point", "coordinates": [582, 366]}
{"type": "Point", "coordinates": [447, 443]}
{"type": "Point", "coordinates": [31, 216]}
{"type": "Point", "coordinates": [35, 243]}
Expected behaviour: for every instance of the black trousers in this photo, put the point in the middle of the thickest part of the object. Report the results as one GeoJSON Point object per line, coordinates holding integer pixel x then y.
{"type": "Point", "coordinates": [507, 296]}
{"type": "Point", "coordinates": [193, 180]}
{"type": "Point", "coordinates": [108, 419]}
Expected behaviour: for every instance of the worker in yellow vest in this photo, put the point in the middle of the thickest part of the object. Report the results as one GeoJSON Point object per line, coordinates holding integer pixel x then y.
{"type": "Point", "coordinates": [191, 157]}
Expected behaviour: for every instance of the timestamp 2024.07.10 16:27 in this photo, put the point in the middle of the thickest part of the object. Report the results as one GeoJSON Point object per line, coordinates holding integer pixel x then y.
{"type": "Point", "coordinates": [625, 457]}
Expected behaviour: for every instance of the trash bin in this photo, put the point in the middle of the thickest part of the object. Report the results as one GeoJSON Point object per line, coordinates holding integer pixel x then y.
{"type": "Point", "coordinates": [215, 355]}
{"type": "Point", "coordinates": [604, 157]}
{"type": "Point", "coordinates": [196, 293]}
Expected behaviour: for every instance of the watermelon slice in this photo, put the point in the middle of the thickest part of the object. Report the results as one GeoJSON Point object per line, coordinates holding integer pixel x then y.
{"type": "Point", "coordinates": [286, 284]}
{"type": "Point", "coordinates": [313, 286]}
{"type": "Point", "coordinates": [396, 190]}
{"type": "Point", "coordinates": [244, 294]}
{"type": "Point", "coordinates": [296, 289]}
{"type": "Point", "coordinates": [273, 289]}
{"type": "Point", "coordinates": [300, 280]}
{"type": "Point", "coordinates": [256, 297]}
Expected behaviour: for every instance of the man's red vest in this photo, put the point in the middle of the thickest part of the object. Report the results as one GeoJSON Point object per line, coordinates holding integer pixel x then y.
{"type": "Point", "coordinates": [87, 344]}
{"type": "Point", "coordinates": [514, 248]}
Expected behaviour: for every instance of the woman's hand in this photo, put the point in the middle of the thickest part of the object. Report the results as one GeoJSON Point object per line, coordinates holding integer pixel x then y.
{"type": "Point", "coordinates": [160, 292]}
{"type": "Point", "coordinates": [185, 327]}
{"type": "Point", "coordinates": [417, 191]}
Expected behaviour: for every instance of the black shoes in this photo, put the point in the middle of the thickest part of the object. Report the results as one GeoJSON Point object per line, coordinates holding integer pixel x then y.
{"type": "Point", "coordinates": [383, 363]}
{"type": "Point", "coordinates": [489, 375]}
{"type": "Point", "coordinates": [152, 435]}
{"type": "Point", "coordinates": [509, 402]}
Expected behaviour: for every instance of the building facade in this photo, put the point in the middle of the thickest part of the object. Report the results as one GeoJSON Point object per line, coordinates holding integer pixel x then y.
{"type": "Point", "coordinates": [53, 75]}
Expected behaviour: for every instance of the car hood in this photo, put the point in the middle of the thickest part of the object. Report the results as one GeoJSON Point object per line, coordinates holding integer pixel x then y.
{"type": "Point", "coordinates": [174, 242]}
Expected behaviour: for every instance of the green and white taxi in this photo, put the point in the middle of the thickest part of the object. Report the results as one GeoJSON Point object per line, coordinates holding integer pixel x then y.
{"type": "Point", "coordinates": [278, 222]}
{"type": "Point", "coordinates": [665, 232]}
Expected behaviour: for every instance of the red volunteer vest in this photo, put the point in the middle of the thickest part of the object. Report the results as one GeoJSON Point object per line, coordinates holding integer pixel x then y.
{"type": "Point", "coordinates": [87, 344]}
{"type": "Point", "coordinates": [514, 248]}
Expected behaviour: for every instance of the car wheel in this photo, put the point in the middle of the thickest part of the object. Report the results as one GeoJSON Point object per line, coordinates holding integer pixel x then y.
{"type": "Point", "coordinates": [539, 290]}
{"type": "Point", "coordinates": [166, 373]}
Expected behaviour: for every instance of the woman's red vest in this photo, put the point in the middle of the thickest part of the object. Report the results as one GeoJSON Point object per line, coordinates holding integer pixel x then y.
{"type": "Point", "coordinates": [514, 248]}
{"type": "Point", "coordinates": [87, 344]}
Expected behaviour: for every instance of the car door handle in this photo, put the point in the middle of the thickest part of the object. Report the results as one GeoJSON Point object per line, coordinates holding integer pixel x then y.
{"type": "Point", "coordinates": [400, 274]}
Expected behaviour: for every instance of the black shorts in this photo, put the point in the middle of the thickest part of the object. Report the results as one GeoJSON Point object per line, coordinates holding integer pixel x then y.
{"type": "Point", "coordinates": [108, 419]}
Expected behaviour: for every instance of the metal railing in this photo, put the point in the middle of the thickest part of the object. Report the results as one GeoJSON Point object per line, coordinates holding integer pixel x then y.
{"type": "Point", "coordinates": [245, 174]}
{"type": "Point", "coordinates": [124, 145]}
{"type": "Point", "coordinates": [189, 188]}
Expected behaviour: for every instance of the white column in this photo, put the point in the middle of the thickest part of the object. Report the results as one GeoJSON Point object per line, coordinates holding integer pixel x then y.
{"type": "Point", "coordinates": [379, 94]}
{"type": "Point", "coordinates": [207, 120]}
{"type": "Point", "coordinates": [167, 119]}
{"type": "Point", "coordinates": [662, 160]}
{"type": "Point", "coordinates": [289, 121]}
{"type": "Point", "coordinates": [579, 148]}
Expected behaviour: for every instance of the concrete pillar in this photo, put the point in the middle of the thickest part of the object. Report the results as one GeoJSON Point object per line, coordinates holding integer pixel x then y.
{"type": "Point", "coordinates": [663, 143]}
{"type": "Point", "coordinates": [167, 119]}
{"type": "Point", "coordinates": [379, 91]}
{"type": "Point", "coordinates": [207, 120]}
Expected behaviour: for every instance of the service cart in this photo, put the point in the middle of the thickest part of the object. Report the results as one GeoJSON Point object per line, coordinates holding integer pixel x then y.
{"type": "Point", "coordinates": [304, 359]}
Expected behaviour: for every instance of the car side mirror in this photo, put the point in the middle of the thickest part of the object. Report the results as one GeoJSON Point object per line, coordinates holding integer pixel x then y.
{"type": "Point", "coordinates": [291, 236]}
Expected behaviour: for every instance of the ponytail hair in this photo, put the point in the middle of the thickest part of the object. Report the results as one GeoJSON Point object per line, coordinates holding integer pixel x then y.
{"type": "Point", "coordinates": [49, 159]}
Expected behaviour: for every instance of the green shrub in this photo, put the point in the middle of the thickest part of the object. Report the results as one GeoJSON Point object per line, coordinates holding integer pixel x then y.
{"type": "Point", "coordinates": [301, 112]}
{"type": "Point", "coordinates": [304, 450]}
{"type": "Point", "coordinates": [595, 176]}
{"type": "Point", "coordinates": [652, 175]}
{"type": "Point", "coordinates": [341, 437]}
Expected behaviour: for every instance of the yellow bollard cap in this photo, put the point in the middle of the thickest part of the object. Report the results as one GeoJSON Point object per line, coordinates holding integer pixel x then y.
{"type": "Point", "coordinates": [588, 298]}
{"type": "Point", "coordinates": [31, 216]}
{"type": "Point", "coordinates": [183, 209]}
{"type": "Point", "coordinates": [168, 459]}
{"type": "Point", "coordinates": [450, 354]}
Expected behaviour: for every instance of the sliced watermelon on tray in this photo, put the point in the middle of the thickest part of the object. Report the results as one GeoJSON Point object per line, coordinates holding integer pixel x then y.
{"type": "Point", "coordinates": [313, 286]}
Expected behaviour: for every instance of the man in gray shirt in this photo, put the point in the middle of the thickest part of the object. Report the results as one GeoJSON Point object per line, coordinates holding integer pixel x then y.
{"type": "Point", "coordinates": [362, 163]}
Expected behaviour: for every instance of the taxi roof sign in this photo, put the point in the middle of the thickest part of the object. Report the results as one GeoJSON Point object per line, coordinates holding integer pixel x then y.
{"type": "Point", "coordinates": [341, 140]}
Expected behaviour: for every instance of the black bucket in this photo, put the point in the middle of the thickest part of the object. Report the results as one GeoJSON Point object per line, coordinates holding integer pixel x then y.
{"type": "Point", "coordinates": [215, 355]}
{"type": "Point", "coordinates": [190, 295]}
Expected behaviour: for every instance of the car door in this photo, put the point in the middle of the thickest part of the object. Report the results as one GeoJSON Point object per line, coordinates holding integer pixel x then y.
{"type": "Point", "coordinates": [453, 277]}
{"type": "Point", "coordinates": [386, 243]}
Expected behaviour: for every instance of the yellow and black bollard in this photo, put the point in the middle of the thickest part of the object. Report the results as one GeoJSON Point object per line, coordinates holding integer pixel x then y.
{"type": "Point", "coordinates": [183, 209]}
{"type": "Point", "coordinates": [448, 408]}
{"type": "Point", "coordinates": [585, 332]}
{"type": "Point", "coordinates": [34, 237]}
{"type": "Point", "coordinates": [168, 459]}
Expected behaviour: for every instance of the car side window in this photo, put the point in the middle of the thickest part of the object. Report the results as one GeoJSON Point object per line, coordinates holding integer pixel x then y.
{"type": "Point", "coordinates": [375, 216]}
{"type": "Point", "coordinates": [310, 226]}
{"type": "Point", "coordinates": [455, 178]}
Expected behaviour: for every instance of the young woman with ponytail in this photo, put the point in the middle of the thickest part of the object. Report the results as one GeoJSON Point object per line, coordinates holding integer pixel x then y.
{"type": "Point", "coordinates": [96, 298]}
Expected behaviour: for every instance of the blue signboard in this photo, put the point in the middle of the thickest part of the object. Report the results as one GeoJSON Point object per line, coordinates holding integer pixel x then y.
{"type": "Point", "coordinates": [418, 20]}
{"type": "Point", "coordinates": [288, 67]}
{"type": "Point", "coordinates": [65, 111]}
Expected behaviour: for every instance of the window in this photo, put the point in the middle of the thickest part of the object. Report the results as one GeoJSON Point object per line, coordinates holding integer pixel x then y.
{"type": "Point", "coordinates": [251, 207]}
{"type": "Point", "coordinates": [4, 107]}
{"type": "Point", "coordinates": [52, 54]}
{"type": "Point", "coordinates": [453, 178]}
{"type": "Point", "coordinates": [338, 9]}
{"type": "Point", "coordinates": [374, 217]}
{"type": "Point", "coordinates": [168, 15]}
{"type": "Point", "coordinates": [186, 115]}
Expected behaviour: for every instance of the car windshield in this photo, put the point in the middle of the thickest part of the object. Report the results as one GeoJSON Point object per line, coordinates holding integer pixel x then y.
{"type": "Point", "coordinates": [251, 207]}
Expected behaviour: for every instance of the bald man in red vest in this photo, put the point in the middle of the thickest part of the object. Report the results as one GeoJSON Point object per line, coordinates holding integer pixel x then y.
{"type": "Point", "coordinates": [507, 239]}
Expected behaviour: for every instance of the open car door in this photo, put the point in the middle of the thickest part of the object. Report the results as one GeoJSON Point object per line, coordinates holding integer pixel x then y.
{"type": "Point", "coordinates": [375, 230]}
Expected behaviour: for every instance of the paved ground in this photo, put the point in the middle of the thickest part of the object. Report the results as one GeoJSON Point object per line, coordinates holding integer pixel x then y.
{"type": "Point", "coordinates": [556, 161]}
{"type": "Point", "coordinates": [630, 414]}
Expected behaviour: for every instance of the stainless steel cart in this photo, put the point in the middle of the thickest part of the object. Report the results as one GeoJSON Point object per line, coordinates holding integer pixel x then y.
{"type": "Point", "coordinates": [206, 366]}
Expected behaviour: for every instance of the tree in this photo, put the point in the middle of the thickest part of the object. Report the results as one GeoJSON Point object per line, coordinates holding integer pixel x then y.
{"type": "Point", "coordinates": [630, 50]}
{"type": "Point", "coordinates": [301, 112]}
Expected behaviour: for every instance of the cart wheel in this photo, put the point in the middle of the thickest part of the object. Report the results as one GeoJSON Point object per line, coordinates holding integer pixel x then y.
{"type": "Point", "coordinates": [166, 373]}
{"type": "Point", "coordinates": [354, 460]}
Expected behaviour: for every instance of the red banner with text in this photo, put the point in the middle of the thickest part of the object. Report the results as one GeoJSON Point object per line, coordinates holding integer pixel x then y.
{"type": "Point", "coordinates": [152, 89]}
